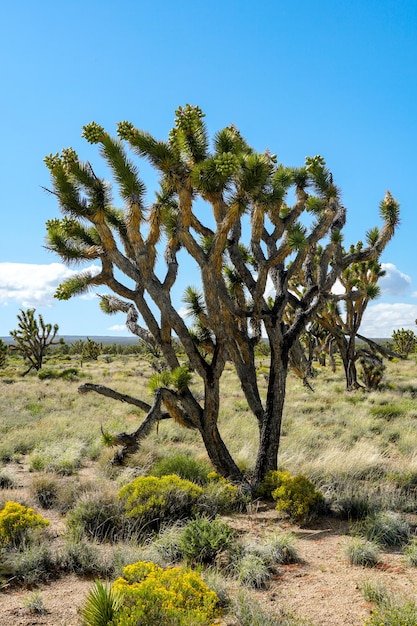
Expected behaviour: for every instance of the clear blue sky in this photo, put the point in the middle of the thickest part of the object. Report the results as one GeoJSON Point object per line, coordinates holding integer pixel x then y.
{"type": "Point", "coordinates": [302, 78]}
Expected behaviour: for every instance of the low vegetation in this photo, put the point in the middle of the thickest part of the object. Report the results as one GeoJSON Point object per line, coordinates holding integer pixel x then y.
{"type": "Point", "coordinates": [165, 519]}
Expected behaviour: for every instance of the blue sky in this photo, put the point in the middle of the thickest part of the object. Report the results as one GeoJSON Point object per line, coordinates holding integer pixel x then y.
{"type": "Point", "coordinates": [301, 78]}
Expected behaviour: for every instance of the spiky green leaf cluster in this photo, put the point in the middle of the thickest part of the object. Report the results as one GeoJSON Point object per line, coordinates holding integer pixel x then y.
{"type": "Point", "coordinates": [389, 210]}
{"type": "Point", "coordinates": [297, 236]}
{"type": "Point", "coordinates": [75, 286]}
{"type": "Point", "coordinates": [93, 132]}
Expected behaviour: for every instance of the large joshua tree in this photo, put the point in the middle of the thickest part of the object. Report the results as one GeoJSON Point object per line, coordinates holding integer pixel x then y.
{"type": "Point", "coordinates": [227, 208]}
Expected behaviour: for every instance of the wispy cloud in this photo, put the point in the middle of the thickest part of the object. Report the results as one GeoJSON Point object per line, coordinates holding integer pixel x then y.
{"type": "Point", "coordinates": [32, 285]}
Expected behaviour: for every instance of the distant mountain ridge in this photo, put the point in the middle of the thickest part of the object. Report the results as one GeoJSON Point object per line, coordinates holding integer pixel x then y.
{"type": "Point", "coordinates": [105, 339]}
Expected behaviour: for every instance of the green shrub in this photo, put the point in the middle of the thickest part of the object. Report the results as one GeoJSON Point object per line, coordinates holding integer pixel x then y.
{"type": "Point", "coordinates": [81, 557]}
{"type": "Point", "coordinates": [203, 539]}
{"type": "Point", "coordinates": [270, 483]}
{"type": "Point", "coordinates": [153, 595]}
{"type": "Point", "coordinates": [387, 411]}
{"type": "Point", "coordinates": [276, 550]}
{"type": "Point", "coordinates": [45, 490]}
{"type": "Point", "coordinates": [185, 466]}
{"type": "Point", "coordinates": [249, 612]}
{"type": "Point", "coordinates": [168, 543]}
{"type": "Point", "coordinates": [386, 528]}
{"type": "Point", "coordinates": [101, 606]}
{"type": "Point", "coordinates": [220, 497]}
{"type": "Point", "coordinates": [392, 614]}
{"type": "Point", "coordinates": [362, 552]}
{"type": "Point", "coordinates": [410, 553]}
{"type": "Point", "coordinates": [6, 481]}
{"type": "Point", "coordinates": [34, 604]}
{"type": "Point", "coordinates": [296, 496]}
{"type": "Point", "coordinates": [153, 501]}
{"type": "Point", "coordinates": [16, 522]}
{"type": "Point", "coordinates": [35, 564]}
{"type": "Point", "coordinates": [253, 571]}
{"type": "Point", "coordinates": [100, 516]}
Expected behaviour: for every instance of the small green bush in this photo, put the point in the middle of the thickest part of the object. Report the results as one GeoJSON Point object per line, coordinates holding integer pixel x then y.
{"type": "Point", "coordinates": [16, 522]}
{"type": "Point", "coordinates": [100, 516]}
{"type": "Point", "coordinates": [296, 496]}
{"type": "Point", "coordinates": [220, 497]}
{"type": "Point", "coordinates": [410, 553]}
{"type": "Point", "coordinates": [253, 571]}
{"type": "Point", "coordinates": [394, 614]}
{"type": "Point", "coordinates": [81, 557]}
{"type": "Point", "coordinates": [183, 465]}
{"type": "Point", "coordinates": [6, 481]}
{"type": "Point", "coordinates": [153, 501]}
{"type": "Point", "coordinates": [386, 528]}
{"type": "Point", "coordinates": [362, 552]}
{"type": "Point", "coordinates": [35, 564]}
{"type": "Point", "coordinates": [249, 612]}
{"type": "Point", "coordinates": [153, 595]}
{"type": "Point", "coordinates": [45, 489]}
{"type": "Point", "coordinates": [276, 550]}
{"type": "Point", "coordinates": [34, 604]}
{"type": "Point", "coordinates": [203, 539]}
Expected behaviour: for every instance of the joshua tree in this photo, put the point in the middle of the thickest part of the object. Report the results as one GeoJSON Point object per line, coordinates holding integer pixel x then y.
{"type": "Point", "coordinates": [226, 209]}
{"type": "Point", "coordinates": [359, 281]}
{"type": "Point", "coordinates": [32, 338]}
{"type": "Point", "coordinates": [404, 341]}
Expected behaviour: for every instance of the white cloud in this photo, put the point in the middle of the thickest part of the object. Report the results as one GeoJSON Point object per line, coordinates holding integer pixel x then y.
{"type": "Point", "coordinates": [118, 327]}
{"type": "Point", "coordinates": [32, 285]}
{"type": "Point", "coordinates": [394, 282]}
{"type": "Point", "coordinates": [380, 320]}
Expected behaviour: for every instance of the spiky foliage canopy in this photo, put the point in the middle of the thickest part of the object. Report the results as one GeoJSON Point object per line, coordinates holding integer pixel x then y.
{"type": "Point", "coordinates": [227, 207]}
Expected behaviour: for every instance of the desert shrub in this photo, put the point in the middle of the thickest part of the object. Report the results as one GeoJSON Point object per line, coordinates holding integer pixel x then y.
{"type": "Point", "coordinates": [185, 466]}
{"type": "Point", "coordinates": [361, 552]}
{"type": "Point", "coordinates": [374, 592]}
{"type": "Point", "coordinates": [386, 528]}
{"type": "Point", "coordinates": [202, 539]}
{"type": "Point", "coordinates": [410, 553]}
{"type": "Point", "coordinates": [276, 550]}
{"type": "Point", "coordinates": [101, 605]}
{"type": "Point", "coordinates": [270, 483]}
{"type": "Point", "coordinates": [249, 612]}
{"type": "Point", "coordinates": [153, 595]}
{"type": "Point", "coordinates": [70, 373]}
{"type": "Point", "coordinates": [6, 481]}
{"type": "Point", "coordinates": [34, 604]}
{"type": "Point", "coordinates": [387, 411]}
{"type": "Point", "coordinates": [81, 557]}
{"type": "Point", "coordinates": [296, 496]}
{"type": "Point", "coordinates": [35, 564]}
{"type": "Point", "coordinates": [253, 571]}
{"type": "Point", "coordinates": [221, 497]}
{"type": "Point", "coordinates": [62, 460]}
{"type": "Point", "coordinates": [99, 516]}
{"type": "Point", "coordinates": [394, 614]}
{"type": "Point", "coordinates": [153, 501]}
{"type": "Point", "coordinates": [352, 503]}
{"type": "Point", "coordinates": [45, 490]}
{"type": "Point", "coordinates": [16, 522]}
{"type": "Point", "coordinates": [168, 543]}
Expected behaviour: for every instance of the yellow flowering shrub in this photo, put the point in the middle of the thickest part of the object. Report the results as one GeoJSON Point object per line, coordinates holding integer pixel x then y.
{"type": "Point", "coordinates": [152, 500]}
{"type": "Point", "coordinates": [153, 595]}
{"type": "Point", "coordinates": [296, 496]}
{"type": "Point", "coordinates": [15, 522]}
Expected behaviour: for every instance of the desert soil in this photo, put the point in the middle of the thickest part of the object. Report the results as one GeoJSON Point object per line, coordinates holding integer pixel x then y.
{"type": "Point", "coordinates": [323, 588]}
